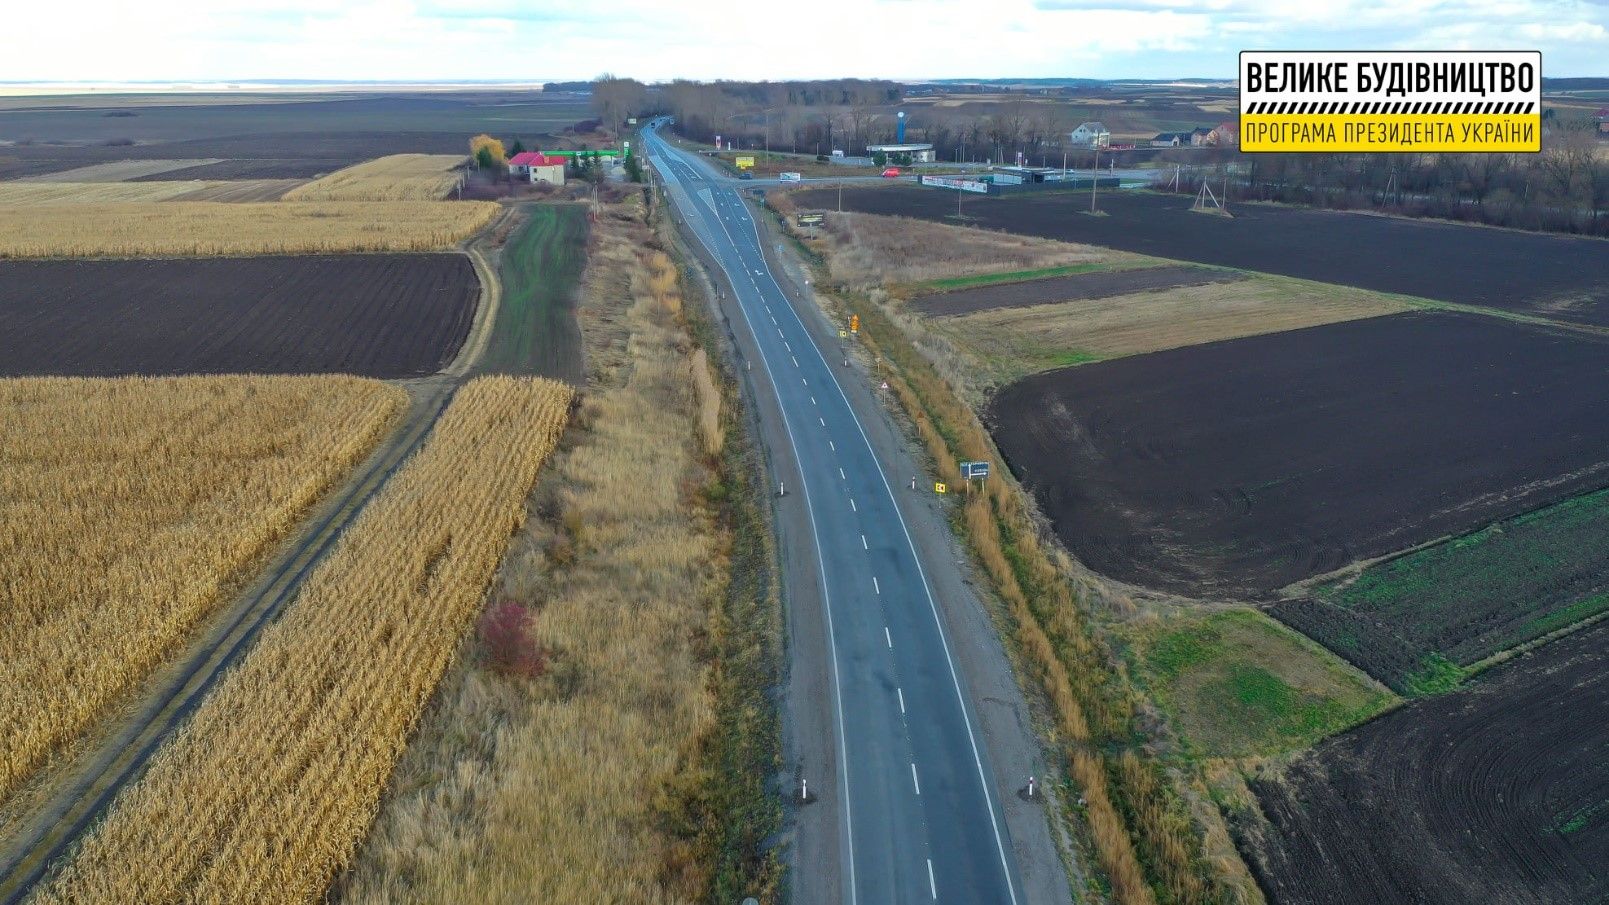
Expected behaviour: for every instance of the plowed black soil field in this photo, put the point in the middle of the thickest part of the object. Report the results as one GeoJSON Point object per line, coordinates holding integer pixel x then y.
{"type": "Point", "coordinates": [1065, 289]}
{"type": "Point", "coordinates": [375, 315]}
{"type": "Point", "coordinates": [1496, 793]}
{"type": "Point", "coordinates": [1238, 467]}
{"type": "Point", "coordinates": [1559, 277]}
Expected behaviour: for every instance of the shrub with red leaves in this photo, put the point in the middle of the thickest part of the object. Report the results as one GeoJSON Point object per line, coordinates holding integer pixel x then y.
{"type": "Point", "coordinates": [504, 630]}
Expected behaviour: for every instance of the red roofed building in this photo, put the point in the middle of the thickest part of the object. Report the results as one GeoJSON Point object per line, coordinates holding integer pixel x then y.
{"type": "Point", "coordinates": [1603, 121]}
{"type": "Point", "coordinates": [534, 166]}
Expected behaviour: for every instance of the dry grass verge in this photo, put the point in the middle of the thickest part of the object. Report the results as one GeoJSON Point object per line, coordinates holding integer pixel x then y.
{"type": "Point", "coordinates": [263, 795]}
{"type": "Point", "coordinates": [865, 250]}
{"type": "Point", "coordinates": [207, 228]}
{"type": "Point", "coordinates": [128, 509]}
{"type": "Point", "coordinates": [1005, 344]}
{"type": "Point", "coordinates": [1139, 826]}
{"type": "Point", "coordinates": [571, 786]}
{"type": "Point", "coordinates": [399, 177]}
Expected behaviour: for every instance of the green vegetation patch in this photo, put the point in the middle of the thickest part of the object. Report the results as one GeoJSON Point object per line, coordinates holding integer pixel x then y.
{"type": "Point", "coordinates": [1238, 684]}
{"type": "Point", "coordinates": [1011, 276]}
{"type": "Point", "coordinates": [1452, 605]}
{"type": "Point", "coordinates": [536, 331]}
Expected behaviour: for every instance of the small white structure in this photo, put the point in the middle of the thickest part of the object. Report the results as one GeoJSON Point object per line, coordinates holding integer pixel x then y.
{"type": "Point", "coordinates": [1090, 135]}
{"type": "Point", "coordinates": [918, 153]}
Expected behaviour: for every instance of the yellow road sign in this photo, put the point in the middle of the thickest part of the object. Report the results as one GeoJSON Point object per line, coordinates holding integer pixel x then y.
{"type": "Point", "coordinates": [842, 333]}
{"type": "Point", "coordinates": [941, 488]}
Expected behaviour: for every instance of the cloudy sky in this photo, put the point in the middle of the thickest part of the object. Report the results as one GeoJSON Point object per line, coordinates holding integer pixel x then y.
{"type": "Point", "coordinates": [114, 40]}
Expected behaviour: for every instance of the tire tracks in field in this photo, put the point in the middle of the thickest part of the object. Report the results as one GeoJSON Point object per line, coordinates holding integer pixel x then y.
{"type": "Point", "coordinates": [89, 783]}
{"type": "Point", "coordinates": [85, 785]}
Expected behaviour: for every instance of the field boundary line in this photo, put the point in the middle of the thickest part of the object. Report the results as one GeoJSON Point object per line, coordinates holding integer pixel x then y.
{"type": "Point", "coordinates": [491, 298]}
{"type": "Point", "coordinates": [49, 830]}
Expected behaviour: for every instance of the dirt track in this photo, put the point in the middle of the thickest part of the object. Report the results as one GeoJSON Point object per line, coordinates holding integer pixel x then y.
{"type": "Point", "coordinates": [1556, 276]}
{"type": "Point", "coordinates": [1497, 793]}
{"type": "Point", "coordinates": [1238, 467]}
{"type": "Point", "coordinates": [1098, 285]}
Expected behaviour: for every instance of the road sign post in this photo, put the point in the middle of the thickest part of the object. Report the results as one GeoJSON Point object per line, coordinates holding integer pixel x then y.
{"type": "Point", "coordinates": [971, 471]}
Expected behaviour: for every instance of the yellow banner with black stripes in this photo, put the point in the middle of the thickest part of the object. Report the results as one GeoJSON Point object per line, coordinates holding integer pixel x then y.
{"type": "Point", "coordinates": [1335, 101]}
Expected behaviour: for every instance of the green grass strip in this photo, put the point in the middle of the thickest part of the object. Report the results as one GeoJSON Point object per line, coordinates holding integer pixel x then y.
{"type": "Point", "coordinates": [1012, 276]}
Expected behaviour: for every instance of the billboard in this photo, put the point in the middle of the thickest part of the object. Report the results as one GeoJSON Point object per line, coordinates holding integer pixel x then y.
{"type": "Point", "coordinates": [954, 182]}
{"type": "Point", "coordinates": [744, 162]}
{"type": "Point", "coordinates": [1402, 101]}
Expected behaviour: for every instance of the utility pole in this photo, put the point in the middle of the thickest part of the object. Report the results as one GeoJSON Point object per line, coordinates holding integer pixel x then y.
{"type": "Point", "coordinates": [840, 197]}
{"type": "Point", "coordinates": [1094, 176]}
{"type": "Point", "coordinates": [958, 194]}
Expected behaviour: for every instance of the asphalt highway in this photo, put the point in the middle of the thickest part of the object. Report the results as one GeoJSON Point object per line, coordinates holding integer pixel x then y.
{"type": "Point", "coordinates": [920, 816]}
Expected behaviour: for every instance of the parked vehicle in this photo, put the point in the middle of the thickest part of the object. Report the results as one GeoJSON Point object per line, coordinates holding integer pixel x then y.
{"type": "Point", "coordinates": [891, 173]}
{"type": "Point", "coordinates": [745, 175]}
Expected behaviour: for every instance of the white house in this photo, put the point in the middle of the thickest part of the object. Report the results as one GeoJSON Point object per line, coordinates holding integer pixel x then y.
{"type": "Point", "coordinates": [1090, 135]}
{"type": "Point", "coordinates": [534, 166]}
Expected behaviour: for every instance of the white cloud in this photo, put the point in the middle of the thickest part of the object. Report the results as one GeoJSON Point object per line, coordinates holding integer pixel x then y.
{"type": "Point", "coordinates": [482, 39]}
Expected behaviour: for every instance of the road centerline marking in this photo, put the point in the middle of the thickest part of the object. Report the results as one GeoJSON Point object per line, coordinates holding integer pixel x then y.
{"type": "Point", "coordinates": [901, 693]}
{"type": "Point", "coordinates": [875, 586]}
{"type": "Point", "coordinates": [889, 638]}
{"type": "Point", "coordinates": [932, 887]}
{"type": "Point", "coordinates": [914, 781]}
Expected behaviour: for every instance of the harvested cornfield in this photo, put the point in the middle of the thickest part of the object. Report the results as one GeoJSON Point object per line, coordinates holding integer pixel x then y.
{"type": "Point", "coordinates": [241, 190]}
{"type": "Point", "coordinates": [263, 795]}
{"type": "Point", "coordinates": [207, 228]}
{"type": "Point", "coordinates": [129, 508]}
{"type": "Point", "coordinates": [27, 194]}
{"type": "Point", "coordinates": [399, 177]}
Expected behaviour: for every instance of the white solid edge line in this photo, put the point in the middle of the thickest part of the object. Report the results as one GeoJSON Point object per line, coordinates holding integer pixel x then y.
{"type": "Point", "coordinates": [821, 568]}
{"type": "Point", "coordinates": [944, 641]}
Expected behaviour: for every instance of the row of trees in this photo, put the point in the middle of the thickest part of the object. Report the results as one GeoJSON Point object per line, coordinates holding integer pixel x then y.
{"type": "Point", "coordinates": [1565, 188]}
{"type": "Point", "coordinates": [818, 117]}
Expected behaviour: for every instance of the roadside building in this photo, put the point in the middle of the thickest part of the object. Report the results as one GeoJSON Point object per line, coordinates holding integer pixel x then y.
{"type": "Point", "coordinates": [1089, 135]}
{"type": "Point", "coordinates": [1170, 139]}
{"type": "Point", "coordinates": [1603, 121]}
{"type": "Point", "coordinates": [534, 166]}
{"type": "Point", "coordinates": [1198, 136]}
{"type": "Point", "coordinates": [1225, 135]}
{"type": "Point", "coordinates": [902, 154]}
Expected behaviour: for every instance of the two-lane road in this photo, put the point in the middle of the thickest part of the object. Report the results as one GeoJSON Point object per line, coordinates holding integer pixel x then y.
{"type": "Point", "coordinates": [919, 812]}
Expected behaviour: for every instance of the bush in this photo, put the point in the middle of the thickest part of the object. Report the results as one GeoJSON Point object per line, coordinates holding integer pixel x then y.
{"type": "Point", "coordinates": [504, 630]}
